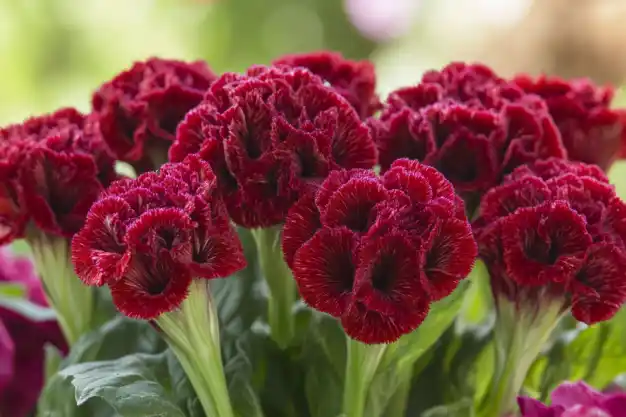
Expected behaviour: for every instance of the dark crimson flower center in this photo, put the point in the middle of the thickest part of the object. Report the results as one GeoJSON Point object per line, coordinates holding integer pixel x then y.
{"type": "Point", "coordinates": [384, 273]}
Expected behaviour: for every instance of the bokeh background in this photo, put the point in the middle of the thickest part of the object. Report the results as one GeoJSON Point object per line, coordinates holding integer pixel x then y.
{"type": "Point", "coordinates": [56, 52]}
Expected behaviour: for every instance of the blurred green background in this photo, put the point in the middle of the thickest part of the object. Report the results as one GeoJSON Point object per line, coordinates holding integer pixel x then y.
{"type": "Point", "coordinates": [54, 53]}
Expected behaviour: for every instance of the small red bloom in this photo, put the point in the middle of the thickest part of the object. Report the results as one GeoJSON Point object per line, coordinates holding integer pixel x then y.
{"type": "Point", "coordinates": [556, 229]}
{"type": "Point", "coordinates": [147, 238]}
{"type": "Point", "coordinates": [376, 251]}
{"type": "Point", "coordinates": [269, 136]}
{"type": "Point", "coordinates": [140, 108]}
{"type": "Point", "coordinates": [591, 131]}
{"type": "Point", "coordinates": [354, 80]}
{"type": "Point", "coordinates": [52, 169]}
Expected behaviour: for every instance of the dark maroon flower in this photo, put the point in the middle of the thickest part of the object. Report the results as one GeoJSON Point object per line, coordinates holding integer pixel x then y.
{"type": "Point", "coordinates": [140, 108]}
{"type": "Point", "coordinates": [52, 169]}
{"type": "Point", "coordinates": [376, 251]}
{"type": "Point", "coordinates": [472, 145]}
{"type": "Point", "coordinates": [269, 136]}
{"type": "Point", "coordinates": [148, 238]}
{"type": "Point", "coordinates": [354, 80]}
{"type": "Point", "coordinates": [555, 229]}
{"type": "Point", "coordinates": [591, 131]}
{"type": "Point", "coordinates": [22, 341]}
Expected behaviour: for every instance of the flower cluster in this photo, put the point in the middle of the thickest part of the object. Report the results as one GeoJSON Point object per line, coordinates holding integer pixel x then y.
{"type": "Point", "coordinates": [460, 123]}
{"type": "Point", "coordinates": [140, 108]}
{"type": "Point", "coordinates": [476, 127]}
{"type": "Point", "coordinates": [269, 135]}
{"type": "Point", "coordinates": [22, 341]}
{"type": "Point", "coordinates": [556, 229]}
{"type": "Point", "coordinates": [354, 80]}
{"type": "Point", "coordinates": [147, 238]}
{"type": "Point", "coordinates": [52, 168]}
{"type": "Point", "coordinates": [591, 131]}
{"type": "Point", "coordinates": [576, 400]}
{"type": "Point", "coordinates": [376, 251]}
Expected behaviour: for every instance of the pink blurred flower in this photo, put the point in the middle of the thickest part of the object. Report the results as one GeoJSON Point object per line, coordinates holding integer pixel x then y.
{"type": "Point", "coordinates": [576, 399]}
{"type": "Point", "coordinates": [381, 20]}
{"type": "Point", "coordinates": [22, 341]}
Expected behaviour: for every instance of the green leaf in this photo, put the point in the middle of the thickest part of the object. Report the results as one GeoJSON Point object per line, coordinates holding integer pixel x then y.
{"type": "Point", "coordinates": [12, 290]}
{"type": "Point", "coordinates": [114, 339]}
{"type": "Point", "coordinates": [136, 385]}
{"type": "Point", "coordinates": [325, 355]}
{"type": "Point", "coordinates": [463, 408]}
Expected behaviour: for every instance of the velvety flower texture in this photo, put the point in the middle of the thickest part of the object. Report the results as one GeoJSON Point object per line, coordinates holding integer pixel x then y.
{"type": "Point", "coordinates": [22, 341]}
{"type": "Point", "coordinates": [269, 135]}
{"type": "Point", "coordinates": [556, 230]}
{"type": "Point", "coordinates": [147, 238]}
{"type": "Point", "coordinates": [376, 251]}
{"type": "Point", "coordinates": [140, 108]}
{"type": "Point", "coordinates": [354, 80]}
{"type": "Point", "coordinates": [576, 400]}
{"type": "Point", "coordinates": [52, 168]}
{"type": "Point", "coordinates": [591, 131]}
{"type": "Point", "coordinates": [467, 123]}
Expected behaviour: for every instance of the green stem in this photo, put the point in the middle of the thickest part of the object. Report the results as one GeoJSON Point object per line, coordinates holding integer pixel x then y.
{"type": "Point", "coordinates": [362, 363]}
{"type": "Point", "coordinates": [280, 282]}
{"type": "Point", "coordinates": [519, 336]}
{"type": "Point", "coordinates": [192, 332]}
{"type": "Point", "coordinates": [67, 295]}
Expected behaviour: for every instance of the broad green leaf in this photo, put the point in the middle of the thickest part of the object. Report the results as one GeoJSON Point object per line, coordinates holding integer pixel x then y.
{"type": "Point", "coordinates": [325, 355]}
{"type": "Point", "coordinates": [136, 385]}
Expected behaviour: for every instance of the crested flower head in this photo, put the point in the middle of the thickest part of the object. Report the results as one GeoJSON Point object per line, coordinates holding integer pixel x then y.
{"type": "Point", "coordinates": [52, 168]}
{"type": "Point", "coordinates": [270, 135]}
{"type": "Point", "coordinates": [376, 251]}
{"type": "Point", "coordinates": [472, 145]}
{"type": "Point", "coordinates": [354, 80]}
{"type": "Point", "coordinates": [22, 341]}
{"type": "Point", "coordinates": [575, 399]}
{"type": "Point", "coordinates": [147, 238]}
{"type": "Point", "coordinates": [591, 131]}
{"type": "Point", "coordinates": [141, 107]}
{"type": "Point", "coordinates": [556, 230]}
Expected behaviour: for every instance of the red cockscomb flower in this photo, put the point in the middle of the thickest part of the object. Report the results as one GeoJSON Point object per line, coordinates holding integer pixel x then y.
{"type": "Point", "coordinates": [591, 131]}
{"type": "Point", "coordinates": [354, 80]}
{"type": "Point", "coordinates": [140, 108]}
{"type": "Point", "coordinates": [375, 251]}
{"type": "Point", "coordinates": [555, 229]}
{"type": "Point", "coordinates": [147, 238]}
{"type": "Point", "coordinates": [269, 135]}
{"type": "Point", "coordinates": [52, 168]}
{"type": "Point", "coordinates": [472, 146]}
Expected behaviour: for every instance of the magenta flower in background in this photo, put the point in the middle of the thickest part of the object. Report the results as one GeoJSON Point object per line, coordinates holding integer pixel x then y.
{"type": "Point", "coordinates": [382, 20]}
{"type": "Point", "coordinates": [576, 399]}
{"type": "Point", "coordinates": [22, 341]}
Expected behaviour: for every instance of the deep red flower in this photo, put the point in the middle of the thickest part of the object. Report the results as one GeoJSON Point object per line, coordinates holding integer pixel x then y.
{"type": "Point", "coordinates": [376, 251]}
{"type": "Point", "coordinates": [269, 136]}
{"type": "Point", "coordinates": [472, 145]}
{"type": "Point", "coordinates": [591, 131]}
{"type": "Point", "coordinates": [52, 169]}
{"type": "Point", "coordinates": [140, 108]}
{"type": "Point", "coordinates": [354, 80]}
{"type": "Point", "coordinates": [555, 229]}
{"type": "Point", "coordinates": [147, 238]}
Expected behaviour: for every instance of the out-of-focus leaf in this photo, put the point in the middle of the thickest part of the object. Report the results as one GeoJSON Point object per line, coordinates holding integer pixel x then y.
{"type": "Point", "coordinates": [463, 408]}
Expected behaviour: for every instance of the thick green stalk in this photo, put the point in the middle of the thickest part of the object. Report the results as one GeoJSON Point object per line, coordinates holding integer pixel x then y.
{"type": "Point", "coordinates": [362, 363]}
{"type": "Point", "coordinates": [192, 332]}
{"type": "Point", "coordinates": [519, 335]}
{"type": "Point", "coordinates": [280, 282]}
{"type": "Point", "coordinates": [398, 403]}
{"type": "Point", "coordinates": [67, 295]}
